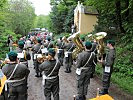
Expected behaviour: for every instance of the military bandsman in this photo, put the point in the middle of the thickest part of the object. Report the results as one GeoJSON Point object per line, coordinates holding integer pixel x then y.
{"type": "Point", "coordinates": [84, 67]}
{"type": "Point", "coordinates": [16, 74]}
{"type": "Point", "coordinates": [108, 66]}
{"type": "Point", "coordinates": [50, 69]}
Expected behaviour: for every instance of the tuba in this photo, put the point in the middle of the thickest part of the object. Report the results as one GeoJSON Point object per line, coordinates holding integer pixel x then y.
{"type": "Point", "coordinates": [99, 37]}
{"type": "Point", "coordinates": [79, 46]}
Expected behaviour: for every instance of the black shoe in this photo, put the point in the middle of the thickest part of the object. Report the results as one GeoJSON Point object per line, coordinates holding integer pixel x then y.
{"type": "Point", "coordinates": [103, 92]}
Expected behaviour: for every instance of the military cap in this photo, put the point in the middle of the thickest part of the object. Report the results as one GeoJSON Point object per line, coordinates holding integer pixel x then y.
{"type": "Point", "coordinates": [82, 38]}
{"type": "Point", "coordinates": [48, 38]}
{"type": "Point", "coordinates": [51, 51]}
{"type": "Point", "coordinates": [39, 40]}
{"type": "Point", "coordinates": [87, 43]}
{"type": "Point", "coordinates": [12, 54]}
{"type": "Point", "coordinates": [20, 43]}
{"type": "Point", "coordinates": [112, 42]}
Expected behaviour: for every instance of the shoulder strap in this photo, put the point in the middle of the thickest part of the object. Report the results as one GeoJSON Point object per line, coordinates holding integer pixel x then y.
{"type": "Point", "coordinates": [71, 47]}
{"type": "Point", "coordinates": [13, 72]}
{"type": "Point", "coordinates": [39, 49]}
{"type": "Point", "coordinates": [49, 44]}
{"type": "Point", "coordinates": [61, 45]}
{"type": "Point", "coordinates": [53, 69]}
{"type": "Point", "coordinates": [88, 60]}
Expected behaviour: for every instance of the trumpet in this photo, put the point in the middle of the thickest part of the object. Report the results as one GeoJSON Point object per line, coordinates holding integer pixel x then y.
{"type": "Point", "coordinates": [2, 63]}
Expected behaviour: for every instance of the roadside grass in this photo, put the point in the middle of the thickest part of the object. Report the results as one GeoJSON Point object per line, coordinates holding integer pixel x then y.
{"type": "Point", "coordinates": [123, 82]}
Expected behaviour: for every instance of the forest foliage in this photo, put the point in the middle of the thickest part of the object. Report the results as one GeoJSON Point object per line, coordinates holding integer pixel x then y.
{"type": "Point", "coordinates": [16, 19]}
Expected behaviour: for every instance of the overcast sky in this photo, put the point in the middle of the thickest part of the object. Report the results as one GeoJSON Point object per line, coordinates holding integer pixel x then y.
{"type": "Point", "coordinates": [41, 6]}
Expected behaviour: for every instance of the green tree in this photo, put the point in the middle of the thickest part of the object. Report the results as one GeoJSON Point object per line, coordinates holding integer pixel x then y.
{"type": "Point", "coordinates": [22, 16]}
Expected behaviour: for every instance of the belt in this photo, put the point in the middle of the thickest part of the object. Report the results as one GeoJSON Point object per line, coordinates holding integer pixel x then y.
{"type": "Point", "coordinates": [46, 77]}
{"type": "Point", "coordinates": [84, 68]}
{"type": "Point", "coordinates": [25, 62]}
{"type": "Point", "coordinates": [12, 81]}
{"type": "Point", "coordinates": [60, 49]}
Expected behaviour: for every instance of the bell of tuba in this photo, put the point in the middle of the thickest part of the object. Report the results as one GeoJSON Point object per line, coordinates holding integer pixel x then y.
{"type": "Point", "coordinates": [79, 46]}
{"type": "Point", "coordinates": [99, 37]}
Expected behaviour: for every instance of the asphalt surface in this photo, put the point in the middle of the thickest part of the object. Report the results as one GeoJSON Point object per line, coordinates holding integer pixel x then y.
{"type": "Point", "coordinates": [68, 86]}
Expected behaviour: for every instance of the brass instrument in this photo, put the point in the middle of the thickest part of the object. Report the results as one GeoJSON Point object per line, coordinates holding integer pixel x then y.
{"type": "Point", "coordinates": [65, 39]}
{"type": "Point", "coordinates": [43, 58]}
{"type": "Point", "coordinates": [4, 62]}
{"type": "Point", "coordinates": [79, 46]}
{"type": "Point", "coordinates": [15, 44]}
{"type": "Point", "coordinates": [99, 38]}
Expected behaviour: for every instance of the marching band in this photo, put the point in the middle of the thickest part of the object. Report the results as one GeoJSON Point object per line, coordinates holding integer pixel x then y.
{"type": "Point", "coordinates": [48, 57]}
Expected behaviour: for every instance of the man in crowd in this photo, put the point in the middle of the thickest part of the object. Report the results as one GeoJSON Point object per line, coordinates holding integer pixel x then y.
{"type": "Point", "coordinates": [37, 50]}
{"type": "Point", "coordinates": [50, 69]}
{"type": "Point", "coordinates": [68, 56]}
{"type": "Point", "coordinates": [16, 78]}
{"type": "Point", "coordinates": [84, 67]}
{"type": "Point", "coordinates": [25, 55]}
{"type": "Point", "coordinates": [28, 44]}
{"type": "Point", "coordinates": [10, 43]}
{"type": "Point", "coordinates": [108, 66]}
{"type": "Point", "coordinates": [94, 50]}
{"type": "Point", "coordinates": [60, 53]}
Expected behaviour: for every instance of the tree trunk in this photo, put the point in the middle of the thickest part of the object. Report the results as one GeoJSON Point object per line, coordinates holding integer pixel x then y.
{"type": "Point", "coordinates": [118, 13]}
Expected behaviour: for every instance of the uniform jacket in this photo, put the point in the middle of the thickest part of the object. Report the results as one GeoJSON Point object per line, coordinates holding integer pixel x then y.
{"type": "Point", "coordinates": [60, 45]}
{"type": "Point", "coordinates": [48, 65]}
{"type": "Point", "coordinates": [94, 47]}
{"type": "Point", "coordinates": [69, 46]}
{"type": "Point", "coordinates": [110, 57]}
{"type": "Point", "coordinates": [21, 72]}
{"type": "Point", "coordinates": [36, 48]}
{"type": "Point", "coordinates": [83, 58]}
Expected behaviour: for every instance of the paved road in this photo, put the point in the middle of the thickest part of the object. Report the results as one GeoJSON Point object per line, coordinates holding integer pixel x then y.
{"type": "Point", "coordinates": [68, 87]}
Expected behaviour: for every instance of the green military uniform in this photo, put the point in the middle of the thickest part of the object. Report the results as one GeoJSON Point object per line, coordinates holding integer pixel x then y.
{"type": "Point", "coordinates": [108, 68]}
{"type": "Point", "coordinates": [48, 44]}
{"type": "Point", "coordinates": [17, 89]}
{"type": "Point", "coordinates": [50, 68]}
{"type": "Point", "coordinates": [94, 50]}
{"type": "Point", "coordinates": [60, 53]}
{"type": "Point", "coordinates": [84, 67]}
{"type": "Point", "coordinates": [37, 50]}
{"type": "Point", "coordinates": [68, 56]}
